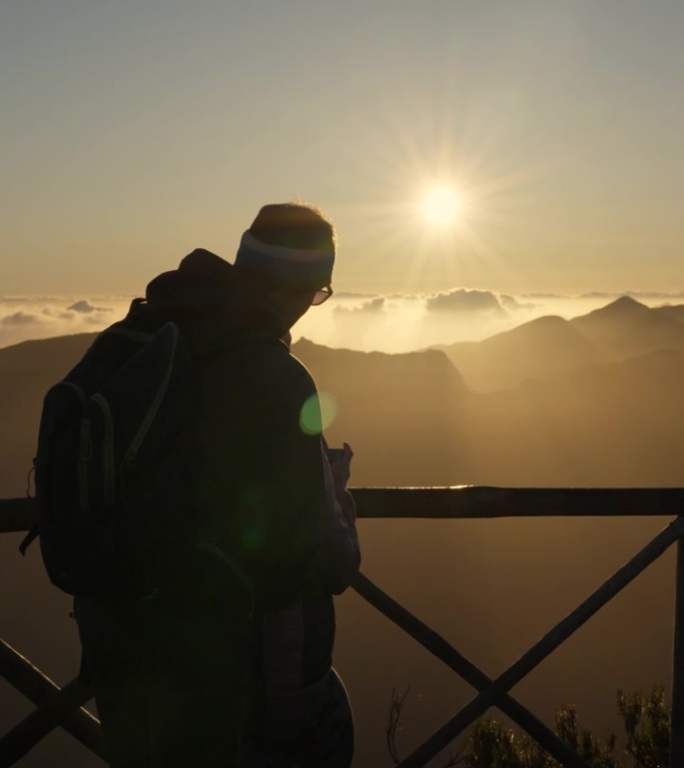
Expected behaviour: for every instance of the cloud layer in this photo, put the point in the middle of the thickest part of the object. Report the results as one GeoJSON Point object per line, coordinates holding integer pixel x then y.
{"type": "Point", "coordinates": [35, 317]}
{"type": "Point", "coordinates": [388, 323]}
{"type": "Point", "coordinates": [401, 323]}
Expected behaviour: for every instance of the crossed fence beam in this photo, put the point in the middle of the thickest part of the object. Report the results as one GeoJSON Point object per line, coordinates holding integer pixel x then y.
{"type": "Point", "coordinates": [61, 707]}
{"type": "Point", "coordinates": [55, 706]}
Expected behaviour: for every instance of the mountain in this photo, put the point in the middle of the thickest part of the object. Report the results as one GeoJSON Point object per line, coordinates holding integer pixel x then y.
{"type": "Point", "coordinates": [26, 372]}
{"type": "Point", "coordinates": [492, 587]}
{"type": "Point", "coordinates": [395, 408]}
{"type": "Point", "coordinates": [675, 311]}
{"type": "Point", "coordinates": [613, 424]}
{"type": "Point", "coordinates": [542, 348]}
{"type": "Point", "coordinates": [35, 616]}
{"type": "Point", "coordinates": [412, 420]}
{"type": "Point", "coordinates": [552, 348]}
{"type": "Point", "coordinates": [626, 328]}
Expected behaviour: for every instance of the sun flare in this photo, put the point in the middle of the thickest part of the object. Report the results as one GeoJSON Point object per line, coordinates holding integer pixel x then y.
{"type": "Point", "coordinates": [442, 205]}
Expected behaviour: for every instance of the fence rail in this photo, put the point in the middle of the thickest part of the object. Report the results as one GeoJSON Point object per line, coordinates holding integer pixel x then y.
{"type": "Point", "coordinates": [461, 502]}
{"type": "Point", "coordinates": [55, 707]}
{"type": "Point", "coordinates": [61, 707]}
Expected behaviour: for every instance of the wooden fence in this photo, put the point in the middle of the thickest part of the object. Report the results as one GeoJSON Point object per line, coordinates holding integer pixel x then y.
{"type": "Point", "coordinates": [57, 707]}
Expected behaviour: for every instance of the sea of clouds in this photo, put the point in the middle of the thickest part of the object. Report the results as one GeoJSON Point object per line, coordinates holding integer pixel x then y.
{"type": "Point", "coordinates": [23, 318]}
{"type": "Point", "coordinates": [403, 322]}
{"type": "Point", "coordinates": [366, 322]}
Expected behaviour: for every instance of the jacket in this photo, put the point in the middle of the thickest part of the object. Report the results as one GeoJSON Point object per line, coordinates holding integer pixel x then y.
{"type": "Point", "coordinates": [260, 495]}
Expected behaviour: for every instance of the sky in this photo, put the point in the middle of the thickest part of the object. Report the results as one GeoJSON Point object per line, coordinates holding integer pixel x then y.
{"type": "Point", "coordinates": [133, 132]}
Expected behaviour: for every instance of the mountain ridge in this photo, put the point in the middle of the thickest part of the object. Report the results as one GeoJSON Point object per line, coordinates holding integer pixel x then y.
{"type": "Point", "coordinates": [413, 420]}
{"type": "Point", "coordinates": [550, 346]}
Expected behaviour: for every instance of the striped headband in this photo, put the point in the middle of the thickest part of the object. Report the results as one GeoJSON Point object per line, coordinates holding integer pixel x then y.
{"type": "Point", "coordinates": [288, 268]}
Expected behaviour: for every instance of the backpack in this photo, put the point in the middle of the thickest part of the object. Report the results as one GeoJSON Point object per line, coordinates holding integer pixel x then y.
{"type": "Point", "coordinates": [110, 464]}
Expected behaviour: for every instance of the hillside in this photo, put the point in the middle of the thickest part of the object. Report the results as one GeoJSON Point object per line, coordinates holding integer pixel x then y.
{"type": "Point", "coordinates": [492, 587]}
{"type": "Point", "coordinates": [551, 347]}
{"type": "Point", "coordinates": [26, 372]}
{"type": "Point", "coordinates": [626, 328]}
{"type": "Point", "coordinates": [395, 410]}
{"type": "Point", "coordinates": [611, 424]}
{"type": "Point", "coordinates": [675, 311]}
{"type": "Point", "coordinates": [542, 348]}
{"type": "Point", "coordinates": [412, 420]}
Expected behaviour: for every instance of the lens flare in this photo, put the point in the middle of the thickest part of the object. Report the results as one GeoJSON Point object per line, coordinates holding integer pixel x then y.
{"type": "Point", "coordinates": [317, 413]}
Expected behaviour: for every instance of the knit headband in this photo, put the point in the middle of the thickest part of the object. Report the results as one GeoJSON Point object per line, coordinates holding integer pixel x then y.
{"type": "Point", "coordinates": [288, 268]}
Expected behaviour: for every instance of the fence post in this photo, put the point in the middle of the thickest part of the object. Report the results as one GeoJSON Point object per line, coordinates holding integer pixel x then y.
{"type": "Point", "coordinates": [677, 722]}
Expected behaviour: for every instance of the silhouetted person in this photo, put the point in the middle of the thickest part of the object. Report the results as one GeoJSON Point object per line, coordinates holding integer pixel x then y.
{"type": "Point", "coordinates": [230, 662]}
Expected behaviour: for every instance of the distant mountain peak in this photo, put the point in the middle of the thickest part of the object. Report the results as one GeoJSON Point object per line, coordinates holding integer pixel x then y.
{"type": "Point", "coordinates": [626, 301]}
{"type": "Point", "coordinates": [542, 330]}
{"type": "Point", "coordinates": [626, 328]}
{"type": "Point", "coordinates": [623, 304]}
{"type": "Point", "coordinates": [623, 307]}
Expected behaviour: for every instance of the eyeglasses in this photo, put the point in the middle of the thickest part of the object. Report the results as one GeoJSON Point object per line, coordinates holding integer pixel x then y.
{"type": "Point", "coordinates": [321, 295]}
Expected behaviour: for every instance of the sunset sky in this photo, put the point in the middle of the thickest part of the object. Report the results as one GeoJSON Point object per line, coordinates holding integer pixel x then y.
{"type": "Point", "coordinates": [135, 131]}
{"type": "Point", "coordinates": [486, 163]}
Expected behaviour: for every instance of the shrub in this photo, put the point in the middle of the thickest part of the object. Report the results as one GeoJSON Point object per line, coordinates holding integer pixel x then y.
{"type": "Point", "coordinates": [645, 719]}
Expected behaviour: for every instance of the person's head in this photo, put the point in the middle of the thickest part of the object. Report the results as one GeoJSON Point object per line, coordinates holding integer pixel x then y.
{"type": "Point", "coordinates": [289, 251]}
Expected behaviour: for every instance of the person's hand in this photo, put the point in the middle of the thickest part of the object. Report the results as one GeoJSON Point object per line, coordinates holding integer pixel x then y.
{"type": "Point", "coordinates": [341, 469]}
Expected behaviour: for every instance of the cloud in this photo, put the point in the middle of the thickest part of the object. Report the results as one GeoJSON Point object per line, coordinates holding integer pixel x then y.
{"type": "Point", "coordinates": [95, 320]}
{"type": "Point", "coordinates": [11, 300]}
{"type": "Point", "coordinates": [354, 295]}
{"type": "Point", "coordinates": [650, 297]}
{"type": "Point", "coordinates": [464, 300]}
{"type": "Point", "coordinates": [389, 322]}
{"type": "Point", "coordinates": [86, 307]}
{"type": "Point", "coordinates": [404, 322]}
{"type": "Point", "coordinates": [57, 313]}
{"type": "Point", "coordinates": [20, 318]}
{"type": "Point", "coordinates": [41, 317]}
{"type": "Point", "coordinates": [511, 304]}
{"type": "Point", "coordinates": [373, 306]}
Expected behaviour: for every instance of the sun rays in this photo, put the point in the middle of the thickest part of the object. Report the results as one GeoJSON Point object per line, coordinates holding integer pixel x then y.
{"type": "Point", "coordinates": [443, 205]}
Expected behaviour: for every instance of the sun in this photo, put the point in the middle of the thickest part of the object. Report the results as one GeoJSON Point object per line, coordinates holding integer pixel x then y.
{"type": "Point", "coordinates": [442, 205]}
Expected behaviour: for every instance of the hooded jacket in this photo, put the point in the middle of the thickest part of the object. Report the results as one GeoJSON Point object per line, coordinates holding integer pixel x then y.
{"type": "Point", "coordinates": [259, 493]}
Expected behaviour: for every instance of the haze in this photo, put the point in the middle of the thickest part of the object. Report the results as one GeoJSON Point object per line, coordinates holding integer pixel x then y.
{"type": "Point", "coordinates": [361, 321]}
{"type": "Point", "coordinates": [134, 132]}
{"type": "Point", "coordinates": [592, 401]}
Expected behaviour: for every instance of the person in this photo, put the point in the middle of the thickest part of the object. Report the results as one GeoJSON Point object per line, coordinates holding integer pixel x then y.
{"type": "Point", "coordinates": [230, 662]}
